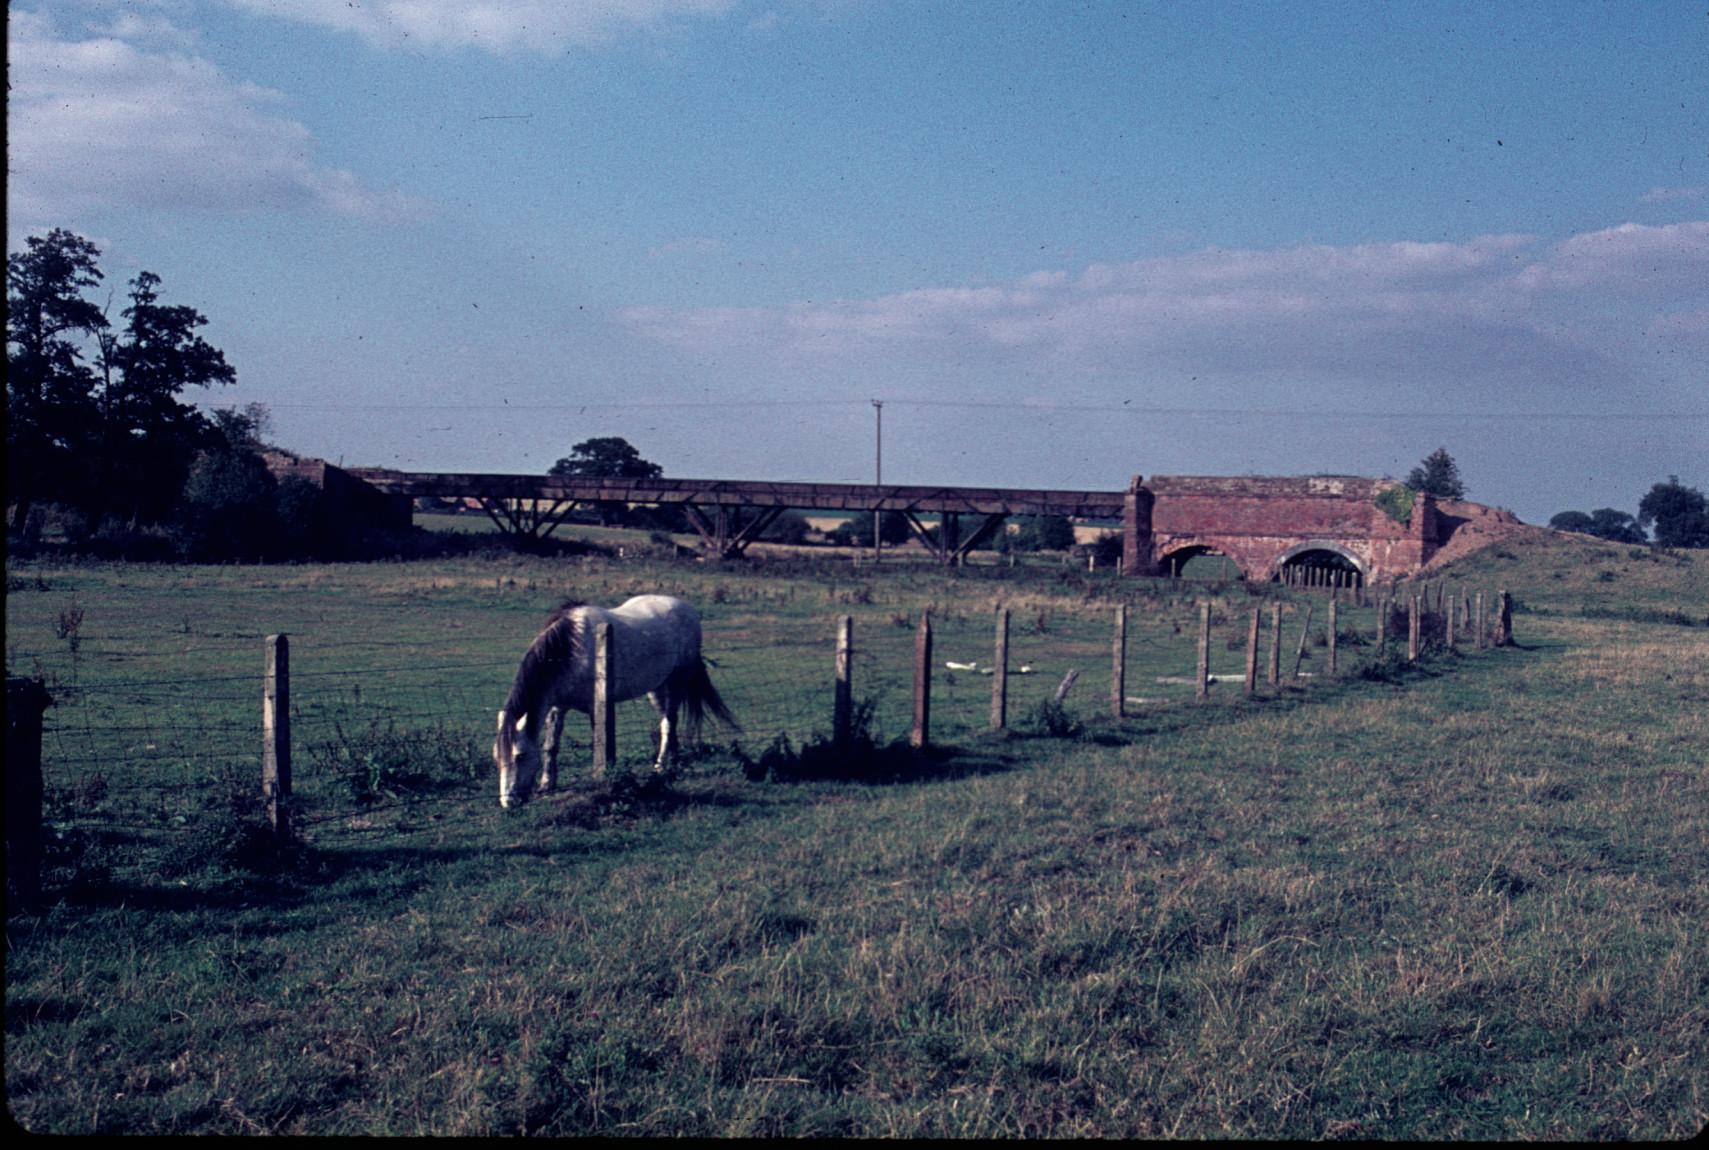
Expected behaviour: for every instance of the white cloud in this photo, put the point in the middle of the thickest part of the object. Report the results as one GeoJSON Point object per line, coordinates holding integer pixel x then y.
{"type": "Point", "coordinates": [1462, 314]}
{"type": "Point", "coordinates": [497, 26]}
{"type": "Point", "coordinates": [1631, 259]}
{"type": "Point", "coordinates": [101, 122]}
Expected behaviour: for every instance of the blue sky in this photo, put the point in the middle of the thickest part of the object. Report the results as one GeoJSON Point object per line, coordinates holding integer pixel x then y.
{"type": "Point", "coordinates": [1064, 243]}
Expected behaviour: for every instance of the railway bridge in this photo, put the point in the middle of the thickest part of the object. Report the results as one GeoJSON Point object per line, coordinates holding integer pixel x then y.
{"type": "Point", "coordinates": [1345, 529]}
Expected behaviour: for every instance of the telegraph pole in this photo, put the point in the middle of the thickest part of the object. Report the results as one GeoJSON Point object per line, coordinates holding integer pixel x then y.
{"type": "Point", "coordinates": [878, 478]}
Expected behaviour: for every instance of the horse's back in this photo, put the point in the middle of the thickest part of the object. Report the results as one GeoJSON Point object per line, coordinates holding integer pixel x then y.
{"type": "Point", "coordinates": [654, 635]}
{"type": "Point", "coordinates": [647, 607]}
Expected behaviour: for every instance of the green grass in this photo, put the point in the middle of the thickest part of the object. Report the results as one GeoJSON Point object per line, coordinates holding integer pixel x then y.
{"type": "Point", "coordinates": [1453, 901]}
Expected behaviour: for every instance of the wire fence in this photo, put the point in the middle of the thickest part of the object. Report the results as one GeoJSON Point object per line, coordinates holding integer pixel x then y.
{"type": "Point", "coordinates": [144, 764]}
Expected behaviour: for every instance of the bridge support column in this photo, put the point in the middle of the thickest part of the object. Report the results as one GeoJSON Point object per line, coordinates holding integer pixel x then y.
{"type": "Point", "coordinates": [1137, 558]}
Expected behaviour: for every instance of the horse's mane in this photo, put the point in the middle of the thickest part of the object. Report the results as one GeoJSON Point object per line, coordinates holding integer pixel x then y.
{"type": "Point", "coordinates": [555, 645]}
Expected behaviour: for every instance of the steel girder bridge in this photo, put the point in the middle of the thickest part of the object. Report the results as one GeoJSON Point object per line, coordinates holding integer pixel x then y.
{"type": "Point", "coordinates": [730, 514]}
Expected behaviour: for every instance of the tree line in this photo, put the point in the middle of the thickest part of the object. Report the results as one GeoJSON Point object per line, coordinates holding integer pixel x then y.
{"type": "Point", "coordinates": [100, 437]}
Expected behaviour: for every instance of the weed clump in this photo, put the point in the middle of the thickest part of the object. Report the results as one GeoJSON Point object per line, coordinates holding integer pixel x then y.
{"type": "Point", "coordinates": [856, 758]}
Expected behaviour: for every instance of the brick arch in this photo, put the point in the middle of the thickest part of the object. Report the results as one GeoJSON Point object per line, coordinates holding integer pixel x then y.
{"type": "Point", "coordinates": [1185, 550]}
{"type": "Point", "coordinates": [1361, 563]}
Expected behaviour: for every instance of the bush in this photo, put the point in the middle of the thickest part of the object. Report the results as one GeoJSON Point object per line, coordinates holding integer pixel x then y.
{"type": "Point", "coordinates": [227, 510]}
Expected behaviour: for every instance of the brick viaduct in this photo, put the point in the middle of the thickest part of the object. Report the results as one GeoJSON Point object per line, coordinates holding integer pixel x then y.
{"type": "Point", "coordinates": [1268, 527]}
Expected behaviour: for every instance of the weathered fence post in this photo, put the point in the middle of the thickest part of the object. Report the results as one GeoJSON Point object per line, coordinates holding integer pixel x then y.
{"type": "Point", "coordinates": [1333, 624]}
{"type": "Point", "coordinates": [1000, 673]}
{"type": "Point", "coordinates": [1252, 651]}
{"type": "Point", "coordinates": [921, 733]}
{"type": "Point", "coordinates": [1275, 644]}
{"type": "Point", "coordinates": [1480, 623]}
{"type": "Point", "coordinates": [1382, 625]}
{"type": "Point", "coordinates": [1118, 663]}
{"type": "Point", "coordinates": [1448, 622]}
{"type": "Point", "coordinates": [844, 700]}
{"type": "Point", "coordinates": [604, 705]}
{"type": "Point", "coordinates": [1503, 620]}
{"type": "Point", "coordinates": [276, 735]}
{"type": "Point", "coordinates": [1412, 628]}
{"type": "Point", "coordinates": [1305, 633]}
{"type": "Point", "coordinates": [1202, 690]}
{"type": "Point", "coordinates": [26, 699]}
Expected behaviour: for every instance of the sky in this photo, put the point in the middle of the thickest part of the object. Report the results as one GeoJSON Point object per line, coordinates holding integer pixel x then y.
{"type": "Point", "coordinates": [1062, 243]}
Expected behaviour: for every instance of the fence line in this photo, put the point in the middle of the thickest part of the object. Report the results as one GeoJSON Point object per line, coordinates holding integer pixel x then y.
{"type": "Point", "coordinates": [141, 754]}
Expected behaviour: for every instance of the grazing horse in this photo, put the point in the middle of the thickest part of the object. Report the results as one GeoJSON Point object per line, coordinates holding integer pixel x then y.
{"type": "Point", "coordinates": [655, 652]}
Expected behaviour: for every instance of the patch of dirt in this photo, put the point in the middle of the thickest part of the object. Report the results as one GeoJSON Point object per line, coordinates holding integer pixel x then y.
{"type": "Point", "coordinates": [1473, 527]}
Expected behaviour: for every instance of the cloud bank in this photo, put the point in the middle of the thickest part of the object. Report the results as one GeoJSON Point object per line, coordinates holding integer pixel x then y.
{"type": "Point", "coordinates": [129, 117]}
{"type": "Point", "coordinates": [1474, 311]}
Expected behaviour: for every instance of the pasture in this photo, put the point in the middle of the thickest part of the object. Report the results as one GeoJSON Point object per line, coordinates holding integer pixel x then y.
{"type": "Point", "coordinates": [1463, 899]}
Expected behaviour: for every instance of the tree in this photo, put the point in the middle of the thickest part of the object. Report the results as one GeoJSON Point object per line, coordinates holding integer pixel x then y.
{"type": "Point", "coordinates": [1680, 514]}
{"type": "Point", "coordinates": [228, 508]}
{"type": "Point", "coordinates": [856, 531]}
{"type": "Point", "coordinates": [112, 440]}
{"type": "Point", "coordinates": [612, 456]}
{"type": "Point", "coordinates": [148, 434]}
{"type": "Point", "coordinates": [50, 412]}
{"type": "Point", "coordinates": [606, 456]}
{"type": "Point", "coordinates": [1437, 475]}
{"type": "Point", "coordinates": [1043, 533]}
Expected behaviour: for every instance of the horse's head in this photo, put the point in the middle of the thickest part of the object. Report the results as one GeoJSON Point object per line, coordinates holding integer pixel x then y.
{"type": "Point", "coordinates": [517, 755]}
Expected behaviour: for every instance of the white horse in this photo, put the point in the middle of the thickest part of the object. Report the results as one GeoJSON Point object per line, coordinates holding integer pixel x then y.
{"type": "Point", "coordinates": [655, 652]}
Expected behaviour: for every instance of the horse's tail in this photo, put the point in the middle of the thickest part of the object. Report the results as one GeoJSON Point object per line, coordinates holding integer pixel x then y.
{"type": "Point", "coordinates": [700, 699]}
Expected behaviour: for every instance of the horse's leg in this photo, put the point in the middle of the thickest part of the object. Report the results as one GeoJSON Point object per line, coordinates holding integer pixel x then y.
{"type": "Point", "coordinates": [665, 704]}
{"type": "Point", "coordinates": [550, 731]}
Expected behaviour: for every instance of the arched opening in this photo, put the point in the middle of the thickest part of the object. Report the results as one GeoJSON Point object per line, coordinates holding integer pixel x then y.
{"type": "Point", "coordinates": [1319, 565]}
{"type": "Point", "coordinates": [1199, 561]}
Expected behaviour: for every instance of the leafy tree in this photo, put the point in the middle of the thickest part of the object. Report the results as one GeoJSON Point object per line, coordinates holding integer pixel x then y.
{"type": "Point", "coordinates": [606, 456]}
{"type": "Point", "coordinates": [1040, 533]}
{"type": "Point", "coordinates": [228, 509]}
{"type": "Point", "coordinates": [1603, 523]}
{"type": "Point", "coordinates": [50, 412]}
{"type": "Point", "coordinates": [789, 527]}
{"type": "Point", "coordinates": [148, 434]}
{"type": "Point", "coordinates": [1437, 475]}
{"type": "Point", "coordinates": [1680, 514]}
{"type": "Point", "coordinates": [612, 456]}
{"type": "Point", "coordinates": [117, 439]}
{"type": "Point", "coordinates": [856, 531]}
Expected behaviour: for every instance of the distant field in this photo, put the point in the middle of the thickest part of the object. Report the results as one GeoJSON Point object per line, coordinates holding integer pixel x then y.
{"type": "Point", "coordinates": [1457, 900]}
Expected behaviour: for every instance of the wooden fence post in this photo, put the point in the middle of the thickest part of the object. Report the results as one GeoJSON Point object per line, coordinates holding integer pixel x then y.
{"type": "Point", "coordinates": [1118, 663]}
{"type": "Point", "coordinates": [922, 730]}
{"type": "Point", "coordinates": [1412, 609]}
{"type": "Point", "coordinates": [1448, 622]}
{"type": "Point", "coordinates": [1252, 651]}
{"type": "Point", "coordinates": [1305, 633]}
{"type": "Point", "coordinates": [1503, 620]}
{"type": "Point", "coordinates": [1202, 690]}
{"type": "Point", "coordinates": [276, 735]}
{"type": "Point", "coordinates": [1382, 625]}
{"type": "Point", "coordinates": [1480, 624]}
{"type": "Point", "coordinates": [26, 699]}
{"type": "Point", "coordinates": [1334, 623]}
{"type": "Point", "coordinates": [604, 705]}
{"type": "Point", "coordinates": [1275, 644]}
{"type": "Point", "coordinates": [1000, 673]}
{"type": "Point", "coordinates": [844, 702]}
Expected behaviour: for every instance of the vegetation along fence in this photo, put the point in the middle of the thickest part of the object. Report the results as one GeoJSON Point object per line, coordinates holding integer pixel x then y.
{"type": "Point", "coordinates": [306, 736]}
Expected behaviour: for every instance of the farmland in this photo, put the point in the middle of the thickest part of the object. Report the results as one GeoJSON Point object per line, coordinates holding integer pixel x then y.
{"type": "Point", "coordinates": [1461, 899]}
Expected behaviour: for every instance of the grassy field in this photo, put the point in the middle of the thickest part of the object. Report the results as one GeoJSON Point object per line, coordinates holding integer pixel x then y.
{"type": "Point", "coordinates": [1462, 899]}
